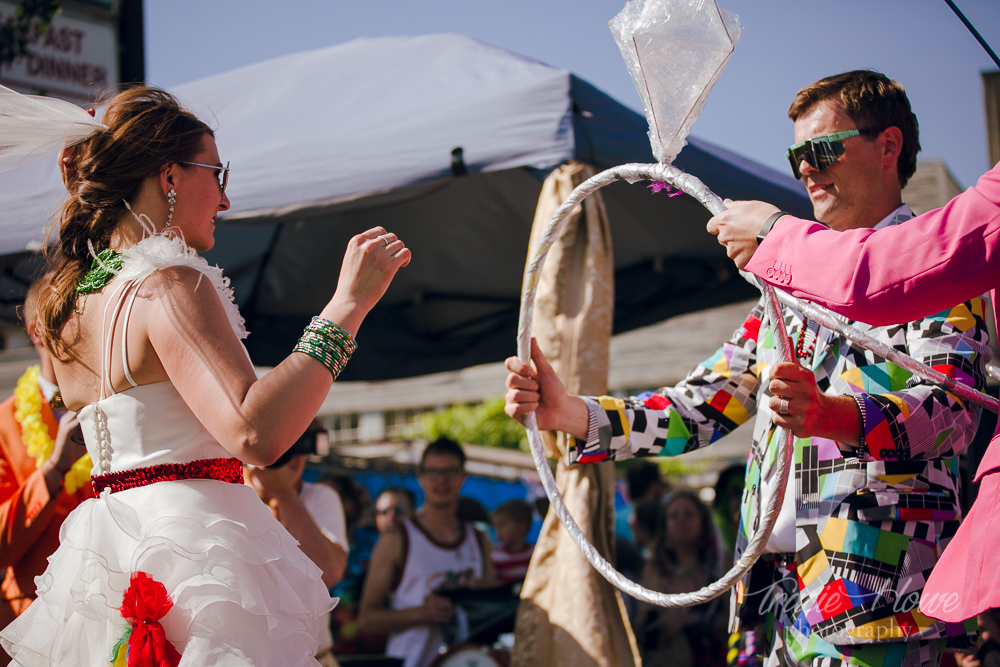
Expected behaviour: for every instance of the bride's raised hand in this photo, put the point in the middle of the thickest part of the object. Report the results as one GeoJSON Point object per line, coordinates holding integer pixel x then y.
{"type": "Point", "coordinates": [370, 263]}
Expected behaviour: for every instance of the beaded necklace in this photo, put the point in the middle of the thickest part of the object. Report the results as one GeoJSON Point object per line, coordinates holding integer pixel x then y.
{"type": "Point", "coordinates": [105, 267]}
{"type": "Point", "coordinates": [800, 345]}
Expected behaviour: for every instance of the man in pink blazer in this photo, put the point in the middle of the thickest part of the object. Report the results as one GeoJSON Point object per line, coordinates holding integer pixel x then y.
{"type": "Point", "coordinates": [894, 275]}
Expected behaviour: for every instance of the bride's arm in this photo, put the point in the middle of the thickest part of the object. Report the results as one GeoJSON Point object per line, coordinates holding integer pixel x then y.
{"type": "Point", "coordinates": [256, 419]}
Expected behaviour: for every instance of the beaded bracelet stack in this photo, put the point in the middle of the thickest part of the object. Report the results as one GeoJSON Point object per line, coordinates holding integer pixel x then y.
{"type": "Point", "coordinates": [328, 343]}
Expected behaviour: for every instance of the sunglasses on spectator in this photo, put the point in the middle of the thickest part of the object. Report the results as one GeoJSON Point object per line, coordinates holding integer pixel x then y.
{"type": "Point", "coordinates": [222, 175]}
{"type": "Point", "coordinates": [820, 152]}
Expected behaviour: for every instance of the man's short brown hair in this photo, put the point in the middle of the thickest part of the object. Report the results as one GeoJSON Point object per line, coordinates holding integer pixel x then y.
{"type": "Point", "coordinates": [872, 100]}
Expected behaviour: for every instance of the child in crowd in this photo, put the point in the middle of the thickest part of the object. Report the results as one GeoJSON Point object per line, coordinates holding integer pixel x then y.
{"type": "Point", "coordinates": [512, 521]}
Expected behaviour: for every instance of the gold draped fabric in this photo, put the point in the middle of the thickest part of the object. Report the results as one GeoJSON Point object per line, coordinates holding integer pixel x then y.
{"type": "Point", "coordinates": [569, 614]}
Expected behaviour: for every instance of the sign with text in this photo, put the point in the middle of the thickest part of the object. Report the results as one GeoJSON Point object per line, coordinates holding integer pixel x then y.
{"type": "Point", "coordinates": [74, 59]}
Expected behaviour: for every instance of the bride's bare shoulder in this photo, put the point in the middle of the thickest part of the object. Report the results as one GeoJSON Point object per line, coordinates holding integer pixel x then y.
{"type": "Point", "coordinates": [180, 279]}
{"type": "Point", "coordinates": [178, 290]}
{"type": "Point", "coordinates": [183, 299]}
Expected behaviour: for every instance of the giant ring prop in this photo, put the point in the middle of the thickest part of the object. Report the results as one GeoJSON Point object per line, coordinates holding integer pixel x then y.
{"type": "Point", "coordinates": [691, 185]}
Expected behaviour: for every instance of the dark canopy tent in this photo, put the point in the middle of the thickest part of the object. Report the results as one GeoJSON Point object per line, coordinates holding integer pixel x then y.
{"type": "Point", "coordinates": [328, 143]}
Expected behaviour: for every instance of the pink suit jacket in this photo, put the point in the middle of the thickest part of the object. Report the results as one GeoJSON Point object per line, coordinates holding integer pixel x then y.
{"type": "Point", "coordinates": [898, 274]}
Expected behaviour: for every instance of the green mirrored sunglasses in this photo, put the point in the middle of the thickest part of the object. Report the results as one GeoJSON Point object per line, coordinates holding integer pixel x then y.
{"type": "Point", "coordinates": [821, 152]}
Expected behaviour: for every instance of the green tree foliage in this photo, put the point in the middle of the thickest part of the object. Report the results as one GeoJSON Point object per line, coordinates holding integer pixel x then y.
{"type": "Point", "coordinates": [483, 424]}
{"type": "Point", "coordinates": [30, 17]}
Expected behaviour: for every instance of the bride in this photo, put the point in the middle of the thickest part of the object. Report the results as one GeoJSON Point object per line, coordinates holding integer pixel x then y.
{"type": "Point", "coordinates": [175, 561]}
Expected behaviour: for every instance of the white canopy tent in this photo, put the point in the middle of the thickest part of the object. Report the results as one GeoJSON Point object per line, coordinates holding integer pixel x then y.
{"type": "Point", "coordinates": [445, 141]}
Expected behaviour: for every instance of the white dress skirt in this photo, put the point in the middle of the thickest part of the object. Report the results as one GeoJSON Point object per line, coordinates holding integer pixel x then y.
{"type": "Point", "coordinates": [242, 591]}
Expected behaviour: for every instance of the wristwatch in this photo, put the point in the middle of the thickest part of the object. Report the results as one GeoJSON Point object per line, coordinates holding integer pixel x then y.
{"type": "Point", "coordinates": [768, 224]}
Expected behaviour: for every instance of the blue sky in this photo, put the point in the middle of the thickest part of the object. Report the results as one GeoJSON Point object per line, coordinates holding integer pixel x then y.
{"type": "Point", "coordinates": [786, 44]}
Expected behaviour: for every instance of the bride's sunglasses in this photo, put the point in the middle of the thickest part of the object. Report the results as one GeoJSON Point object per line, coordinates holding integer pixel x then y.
{"type": "Point", "coordinates": [222, 175]}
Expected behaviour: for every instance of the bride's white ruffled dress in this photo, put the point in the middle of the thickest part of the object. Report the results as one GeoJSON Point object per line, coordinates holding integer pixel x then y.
{"type": "Point", "coordinates": [242, 591]}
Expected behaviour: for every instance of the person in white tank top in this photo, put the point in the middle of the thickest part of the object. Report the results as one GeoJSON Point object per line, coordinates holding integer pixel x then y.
{"type": "Point", "coordinates": [433, 551]}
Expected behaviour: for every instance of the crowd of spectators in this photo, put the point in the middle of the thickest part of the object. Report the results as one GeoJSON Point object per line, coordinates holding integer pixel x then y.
{"type": "Point", "coordinates": [678, 544]}
{"type": "Point", "coordinates": [408, 565]}
{"type": "Point", "coordinates": [401, 569]}
{"type": "Point", "coordinates": [408, 562]}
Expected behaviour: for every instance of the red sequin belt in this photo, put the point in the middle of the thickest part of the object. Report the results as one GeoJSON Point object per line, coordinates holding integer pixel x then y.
{"type": "Point", "coordinates": [224, 470]}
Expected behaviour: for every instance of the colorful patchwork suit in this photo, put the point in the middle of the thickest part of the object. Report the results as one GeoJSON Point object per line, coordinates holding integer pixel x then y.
{"type": "Point", "coordinates": [937, 258]}
{"type": "Point", "coordinates": [870, 522]}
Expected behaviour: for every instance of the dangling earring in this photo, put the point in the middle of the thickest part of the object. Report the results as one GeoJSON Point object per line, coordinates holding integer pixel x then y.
{"type": "Point", "coordinates": [171, 199]}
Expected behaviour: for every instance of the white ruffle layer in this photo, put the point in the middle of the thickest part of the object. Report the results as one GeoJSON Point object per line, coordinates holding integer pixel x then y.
{"type": "Point", "coordinates": [243, 592]}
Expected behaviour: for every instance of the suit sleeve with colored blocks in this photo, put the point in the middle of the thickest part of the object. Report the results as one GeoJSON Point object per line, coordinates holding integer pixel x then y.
{"type": "Point", "coordinates": [719, 395]}
{"type": "Point", "coordinates": [905, 418]}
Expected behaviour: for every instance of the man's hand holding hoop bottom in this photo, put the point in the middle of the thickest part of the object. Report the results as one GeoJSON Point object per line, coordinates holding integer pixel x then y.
{"type": "Point", "coordinates": [535, 387]}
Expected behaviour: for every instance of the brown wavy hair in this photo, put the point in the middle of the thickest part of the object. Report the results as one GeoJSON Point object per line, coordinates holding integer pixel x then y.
{"type": "Point", "coordinates": [146, 129]}
{"type": "Point", "coordinates": [872, 100]}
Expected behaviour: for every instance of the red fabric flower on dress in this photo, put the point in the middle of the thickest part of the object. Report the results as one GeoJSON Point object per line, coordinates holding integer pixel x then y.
{"type": "Point", "coordinates": [144, 604]}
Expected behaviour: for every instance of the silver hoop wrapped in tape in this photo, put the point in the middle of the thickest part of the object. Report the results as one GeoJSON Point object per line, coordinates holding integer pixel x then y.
{"type": "Point", "coordinates": [671, 175]}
